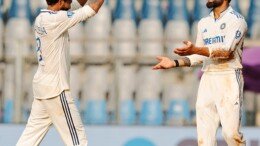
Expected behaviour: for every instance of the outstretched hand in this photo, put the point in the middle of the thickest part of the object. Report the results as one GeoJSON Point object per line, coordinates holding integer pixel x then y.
{"type": "Point", "coordinates": [187, 49]}
{"type": "Point", "coordinates": [164, 63]}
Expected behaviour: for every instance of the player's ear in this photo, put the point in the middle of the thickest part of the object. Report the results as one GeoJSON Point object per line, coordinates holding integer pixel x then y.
{"type": "Point", "coordinates": [61, 3]}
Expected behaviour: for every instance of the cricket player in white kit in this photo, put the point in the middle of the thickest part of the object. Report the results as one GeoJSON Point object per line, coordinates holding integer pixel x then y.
{"type": "Point", "coordinates": [219, 47]}
{"type": "Point", "coordinates": [53, 103]}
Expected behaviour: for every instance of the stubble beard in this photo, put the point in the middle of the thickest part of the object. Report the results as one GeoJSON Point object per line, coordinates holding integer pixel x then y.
{"type": "Point", "coordinates": [214, 4]}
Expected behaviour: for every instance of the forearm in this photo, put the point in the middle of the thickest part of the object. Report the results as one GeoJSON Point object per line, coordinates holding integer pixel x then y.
{"type": "Point", "coordinates": [213, 53]}
{"type": "Point", "coordinates": [95, 4]}
{"type": "Point", "coordinates": [221, 54]}
{"type": "Point", "coordinates": [204, 51]}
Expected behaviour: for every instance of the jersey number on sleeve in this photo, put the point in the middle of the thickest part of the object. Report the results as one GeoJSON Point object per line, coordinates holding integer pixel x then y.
{"type": "Point", "coordinates": [38, 51]}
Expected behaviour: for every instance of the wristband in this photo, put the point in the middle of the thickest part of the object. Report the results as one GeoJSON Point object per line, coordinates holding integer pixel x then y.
{"type": "Point", "coordinates": [176, 63]}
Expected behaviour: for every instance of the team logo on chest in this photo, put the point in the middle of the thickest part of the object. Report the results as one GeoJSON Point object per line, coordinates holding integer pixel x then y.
{"type": "Point", "coordinates": [223, 26]}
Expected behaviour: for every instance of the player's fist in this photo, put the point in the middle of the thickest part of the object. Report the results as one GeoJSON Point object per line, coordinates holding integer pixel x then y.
{"type": "Point", "coordinates": [164, 63]}
{"type": "Point", "coordinates": [187, 49]}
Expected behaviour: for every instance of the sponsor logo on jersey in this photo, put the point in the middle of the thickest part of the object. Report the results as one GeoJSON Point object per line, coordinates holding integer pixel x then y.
{"type": "Point", "coordinates": [214, 40]}
{"type": "Point", "coordinates": [70, 14]}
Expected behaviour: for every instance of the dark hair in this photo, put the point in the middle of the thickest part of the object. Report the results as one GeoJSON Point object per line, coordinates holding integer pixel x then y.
{"type": "Point", "coordinates": [229, 1]}
{"type": "Point", "coordinates": [52, 2]}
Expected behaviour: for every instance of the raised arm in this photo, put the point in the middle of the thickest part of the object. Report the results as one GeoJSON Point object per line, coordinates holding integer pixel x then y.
{"type": "Point", "coordinates": [95, 4]}
{"type": "Point", "coordinates": [82, 2]}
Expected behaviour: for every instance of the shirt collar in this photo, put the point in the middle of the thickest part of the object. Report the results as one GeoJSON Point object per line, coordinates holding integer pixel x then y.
{"type": "Point", "coordinates": [229, 9]}
{"type": "Point", "coordinates": [48, 11]}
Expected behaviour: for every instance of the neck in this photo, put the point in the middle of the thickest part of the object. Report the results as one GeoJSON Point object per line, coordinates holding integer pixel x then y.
{"type": "Point", "coordinates": [53, 8]}
{"type": "Point", "coordinates": [218, 10]}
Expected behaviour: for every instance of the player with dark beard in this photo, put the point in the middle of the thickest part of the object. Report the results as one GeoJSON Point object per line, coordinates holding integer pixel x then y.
{"type": "Point", "coordinates": [219, 47]}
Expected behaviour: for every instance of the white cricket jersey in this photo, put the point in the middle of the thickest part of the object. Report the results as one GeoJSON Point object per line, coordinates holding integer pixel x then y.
{"type": "Point", "coordinates": [227, 33]}
{"type": "Point", "coordinates": [52, 37]}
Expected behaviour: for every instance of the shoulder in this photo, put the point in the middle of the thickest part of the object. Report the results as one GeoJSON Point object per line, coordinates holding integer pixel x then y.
{"type": "Point", "coordinates": [62, 15]}
{"type": "Point", "coordinates": [235, 15]}
{"type": "Point", "coordinates": [47, 15]}
{"type": "Point", "coordinates": [203, 21]}
{"type": "Point", "coordinates": [236, 18]}
{"type": "Point", "coordinates": [56, 15]}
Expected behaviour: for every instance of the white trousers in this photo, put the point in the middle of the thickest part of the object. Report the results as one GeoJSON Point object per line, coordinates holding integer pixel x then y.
{"type": "Point", "coordinates": [219, 100]}
{"type": "Point", "coordinates": [59, 111]}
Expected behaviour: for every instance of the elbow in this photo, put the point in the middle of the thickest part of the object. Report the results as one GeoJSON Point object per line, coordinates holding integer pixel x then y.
{"type": "Point", "coordinates": [221, 54]}
{"type": "Point", "coordinates": [97, 5]}
{"type": "Point", "coordinates": [82, 2]}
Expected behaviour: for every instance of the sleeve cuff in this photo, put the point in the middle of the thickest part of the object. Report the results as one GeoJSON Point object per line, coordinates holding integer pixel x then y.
{"type": "Point", "coordinates": [192, 60]}
{"type": "Point", "coordinates": [195, 59]}
{"type": "Point", "coordinates": [90, 11]}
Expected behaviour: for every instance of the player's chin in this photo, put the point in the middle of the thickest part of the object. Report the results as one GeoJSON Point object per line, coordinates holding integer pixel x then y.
{"type": "Point", "coordinates": [210, 5]}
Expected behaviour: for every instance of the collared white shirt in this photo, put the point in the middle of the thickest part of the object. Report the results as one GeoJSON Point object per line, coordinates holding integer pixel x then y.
{"type": "Point", "coordinates": [227, 33]}
{"type": "Point", "coordinates": [52, 37]}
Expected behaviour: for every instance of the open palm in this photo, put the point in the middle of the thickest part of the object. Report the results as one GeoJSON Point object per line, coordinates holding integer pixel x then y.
{"type": "Point", "coordinates": [187, 49]}
{"type": "Point", "coordinates": [164, 63]}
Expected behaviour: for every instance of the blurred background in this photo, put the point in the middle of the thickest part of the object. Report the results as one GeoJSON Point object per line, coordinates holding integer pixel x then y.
{"type": "Point", "coordinates": [111, 74]}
